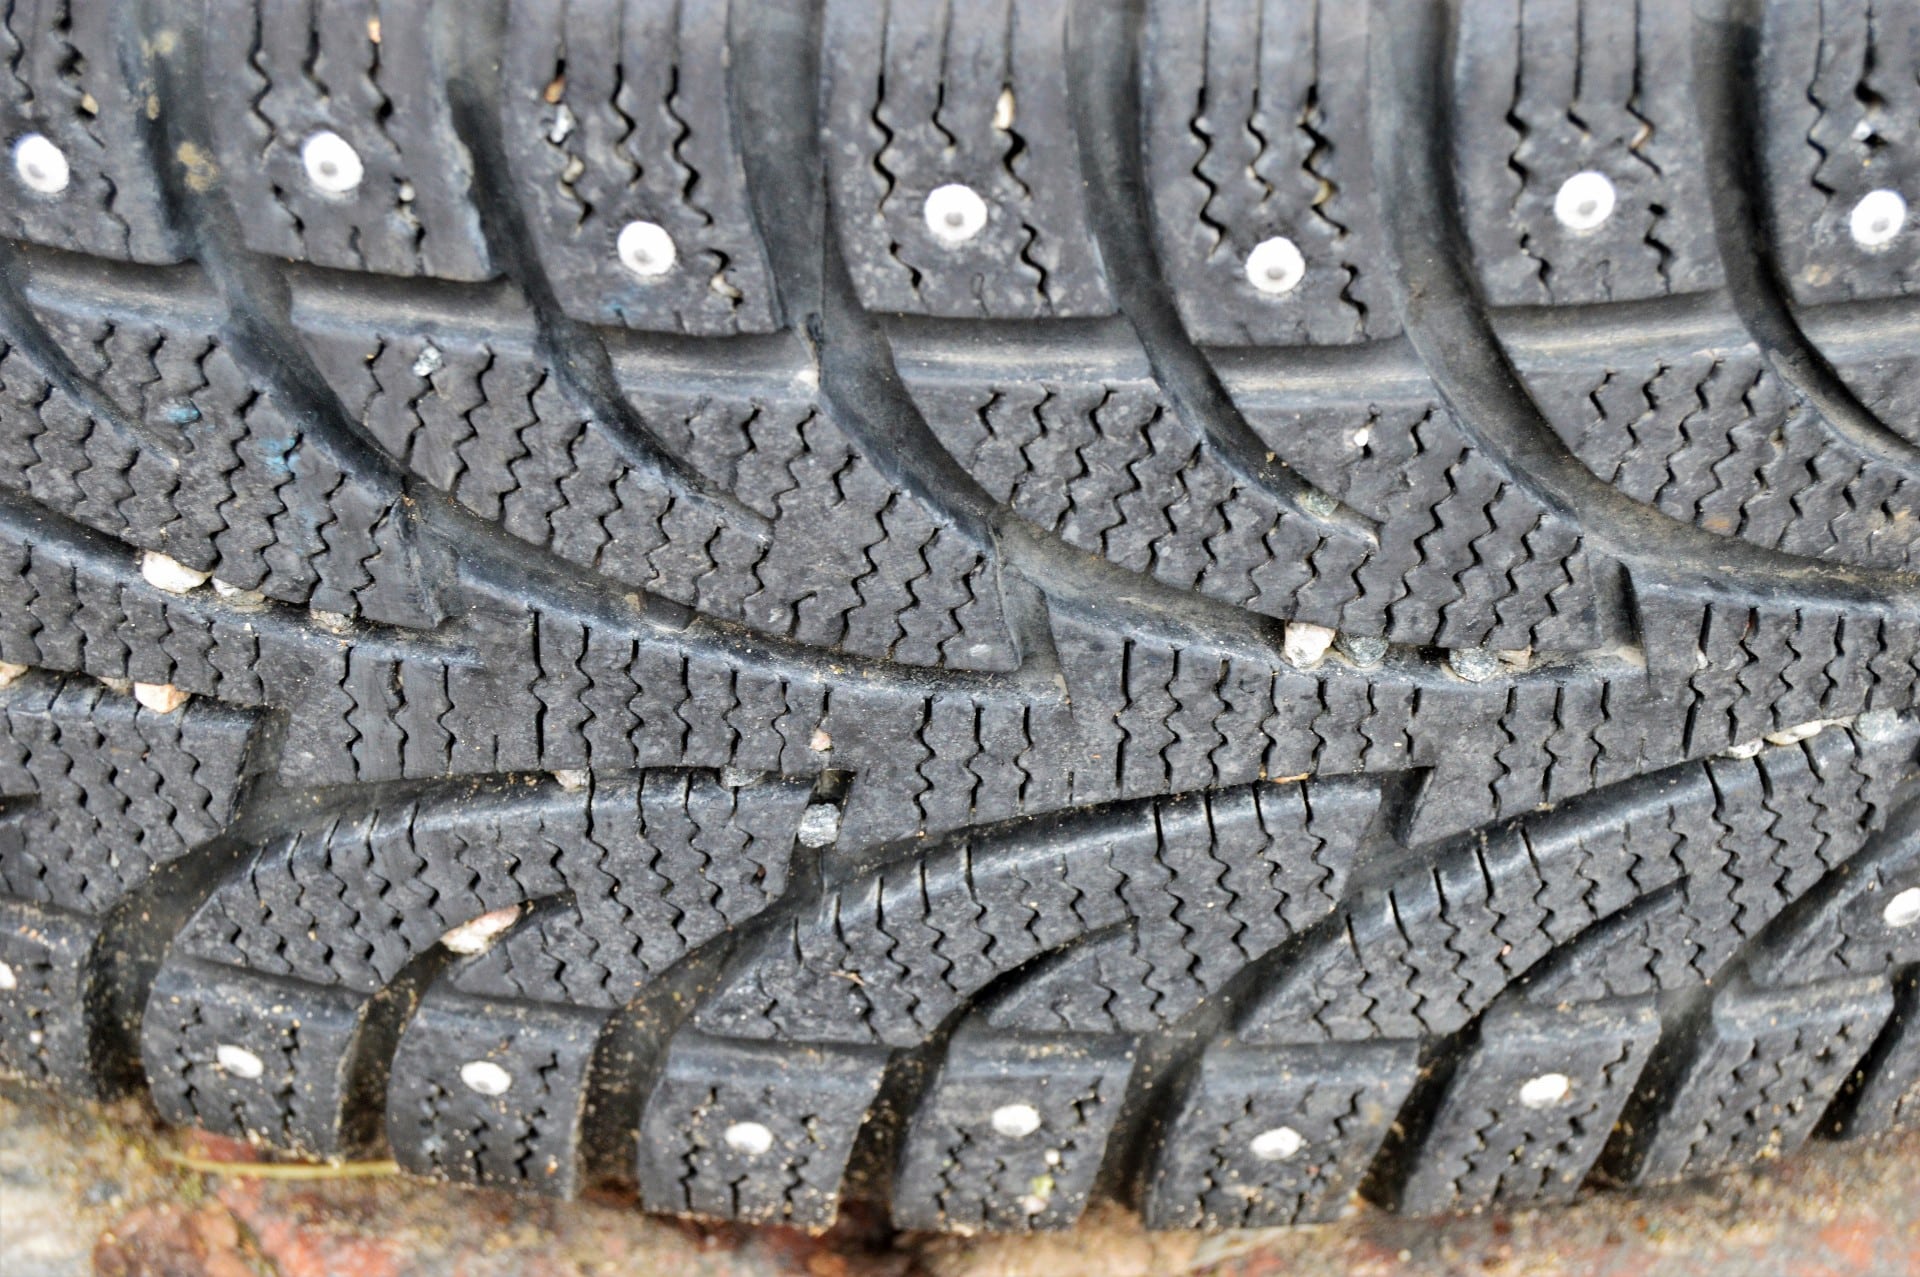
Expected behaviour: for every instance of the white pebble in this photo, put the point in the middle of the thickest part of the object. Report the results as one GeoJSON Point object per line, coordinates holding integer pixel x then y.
{"type": "Point", "coordinates": [573, 779]}
{"type": "Point", "coordinates": [955, 213]}
{"type": "Point", "coordinates": [1276, 266]}
{"type": "Point", "coordinates": [1584, 201]}
{"type": "Point", "coordinates": [8, 980]}
{"type": "Point", "coordinates": [166, 573]}
{"type": "Point", "coordinates": [1276, 1145]}
{"type": "Point", "coordinates": [1799, 732]}
{"type": "Point", "coordinates": [484, 1077]}
{"type": "Point", "coordinates": [1877, 218]}
{"type": "Point", "coordinates": [1475, 664]}
{"type": "Point", "coordinates": [331, 163]}
{"type": "Point", "coordinates": [9, 672]}
{"type": "Point", "coordinates": [1545, 1091]}
{"type": "Point", "coordinates": [819, 825]}
{"type": "Point", "coordinates": [238, 595]}
{"type": "Point", "coordinates": [750, 1138]}
{"type": "Point", "coordinates": [646, 249]}
{"type": "Point", "coordinates": [1016, 1121]}
{"type": "Point", "coordinates": [161, 698]}
{"type": "Point", "coordinates": [41, 164]}
{"type": "Point", "coordinates": [238, 1061]}
{"type": "Point", "coordinates": [477, 935]}
{"type": "Point", "coordinates": [1904, 909]}
{"type": "Point", "coordinates": [1305, 644]}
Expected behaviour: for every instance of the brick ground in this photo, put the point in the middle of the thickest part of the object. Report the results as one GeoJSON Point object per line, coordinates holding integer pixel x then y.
{"type": "Point", "coordinates": [85, 1190]}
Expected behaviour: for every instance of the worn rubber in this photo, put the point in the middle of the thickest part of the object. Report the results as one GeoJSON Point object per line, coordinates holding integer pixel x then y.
{"type": "Point", "coordinates": [979, 726]}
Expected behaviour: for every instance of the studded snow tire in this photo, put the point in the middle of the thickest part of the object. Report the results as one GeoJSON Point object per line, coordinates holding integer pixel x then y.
{"type": "Point", "coordinates": [976, 606]}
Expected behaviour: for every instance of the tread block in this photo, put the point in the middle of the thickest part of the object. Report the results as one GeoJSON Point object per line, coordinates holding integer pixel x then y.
{"type": "Point", "coordinates": [1751, 1080]}
{"type": "Point", "coordinates": [1884, 1093]}
{"type": "Point", "coordinates": [45, 1035]}
{"type": "Point", "coordinates": [66, 82]}
{"type": "Point", "coordinates": [733, 1131]}
{"type": "Point", "coordinates": [1459, 554]}
{"type": "Point", "coordinates": [1843, 928]}
{"type": "Point", "coordinates": [744, 499]}
{"type": "Point", "coordinates": [1745, 838]}
{"type": "Point", "coordinates": [1839, 117]}
{"type": "Point", "coordinates": [918, 96]}
{"type": "Point", "coordinates": [1548, 90]}
{"type": "Point", "coordinates": [1256, 126]}
{"type": "Point", "coordinates": [1716, 439]}
{"type": "Point", "coordinates": [1011, 1132]}
{"type": "Point", "coordinates": [256, 1057]}
{"type": "Point", "coordinates": [368, 72]}
{"type": "Point", "coordinates": [157, 432]}
{"type": "Point", "coordinates": [1268, 1136]}
{"type": "Point", "coordinates": [527, 1136]}
{"type": "Point", "coordinates": [1206, 884]}
{"type": "Point", "coordinates": [617, 112]}
{"type": "Point", "coordinates": [1493, 1141]}
{"type": "Point", "coordinates": [653, 868]}
{"type": "Point", "coordinates": [105, 790]}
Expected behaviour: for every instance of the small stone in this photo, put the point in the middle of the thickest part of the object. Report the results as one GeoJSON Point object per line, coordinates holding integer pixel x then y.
{"type": "Point", "coordinates": [238, 1061]}
{"type": "Point", "coordinates": [1364, 650]}
{"type": "Point", "coordinates": [1903, 910]}
{"type": "Point", "coordinates": [8, 980]}
{"type": "Point", "coordinates": [1003, 110]}
{"type": "Point", "coordinates": [161, 698]}
{"type": "Point", "coordinates": [1546, 1090]}
{"type": "Point", "coordinates": [739, 777]}
{"type": "Point", "coordinates": [819, 742]}
{"type": "Point", "coordinates": [1474, 664]}
{"type": "Point", "coordinates": [1799, 732]}
{"type": "Point", "coordinates": [337, 622]}
{"type": "Point", "coordinates": [484, 1077]}
{"type": "Point", "coordinates": [429, 361]}
{"type": "Point", "coordinates": [573, 779]}
{"type": "Point", "coordinates": [479, 934]}
{"type": "Point", "coordinates": [751, 1138]}
{"type": "Point", "coordinates": [238, 596]}
{"type": "Point", "coordinates": [169, 574]}
{"type": "Point", "coordinates": [1319, 504]}
{"type": "Point", "coordinates": [1305, 644]}
{"type": "Point", "coordinates": [1276, 1145]}
{"type": "Point", "coordinates": [1016, 1121]}
{"type": "Point", "coordinates": [1877, 726]}
{"type": "Point", "coordinates": [9, 672]}
{"type": "Point", "coordinates": [819, 825]}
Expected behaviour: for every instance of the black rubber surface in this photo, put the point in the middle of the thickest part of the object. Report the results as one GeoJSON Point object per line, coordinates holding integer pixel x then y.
{"type": "Point", "coordinates": [929, 678]}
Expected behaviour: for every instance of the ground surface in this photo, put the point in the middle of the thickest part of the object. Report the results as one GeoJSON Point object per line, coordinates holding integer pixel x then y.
{"type": "Point", "coordinates": [92, 1190]}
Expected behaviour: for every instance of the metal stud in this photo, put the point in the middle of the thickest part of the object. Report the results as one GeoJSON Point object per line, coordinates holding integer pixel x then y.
{"type": "Point", "coordinates": [646, 249]}
{"type": "Point", "coordinates": [331, 163]}
{"type": "Point", "coordinates": [1276, 266]}
{"type": "Point", "coordinates": [955, 213]}
{"type": "Point", "coordinates": [41, 164]}
{"type": "Point", "coordinates": [1877, 218]}
{"type": "Point", "coordinates": [1584, 201]}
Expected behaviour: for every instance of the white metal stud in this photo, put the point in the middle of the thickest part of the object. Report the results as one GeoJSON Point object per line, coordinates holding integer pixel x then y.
{"type": "Point", "coordinates": [331, 162]}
